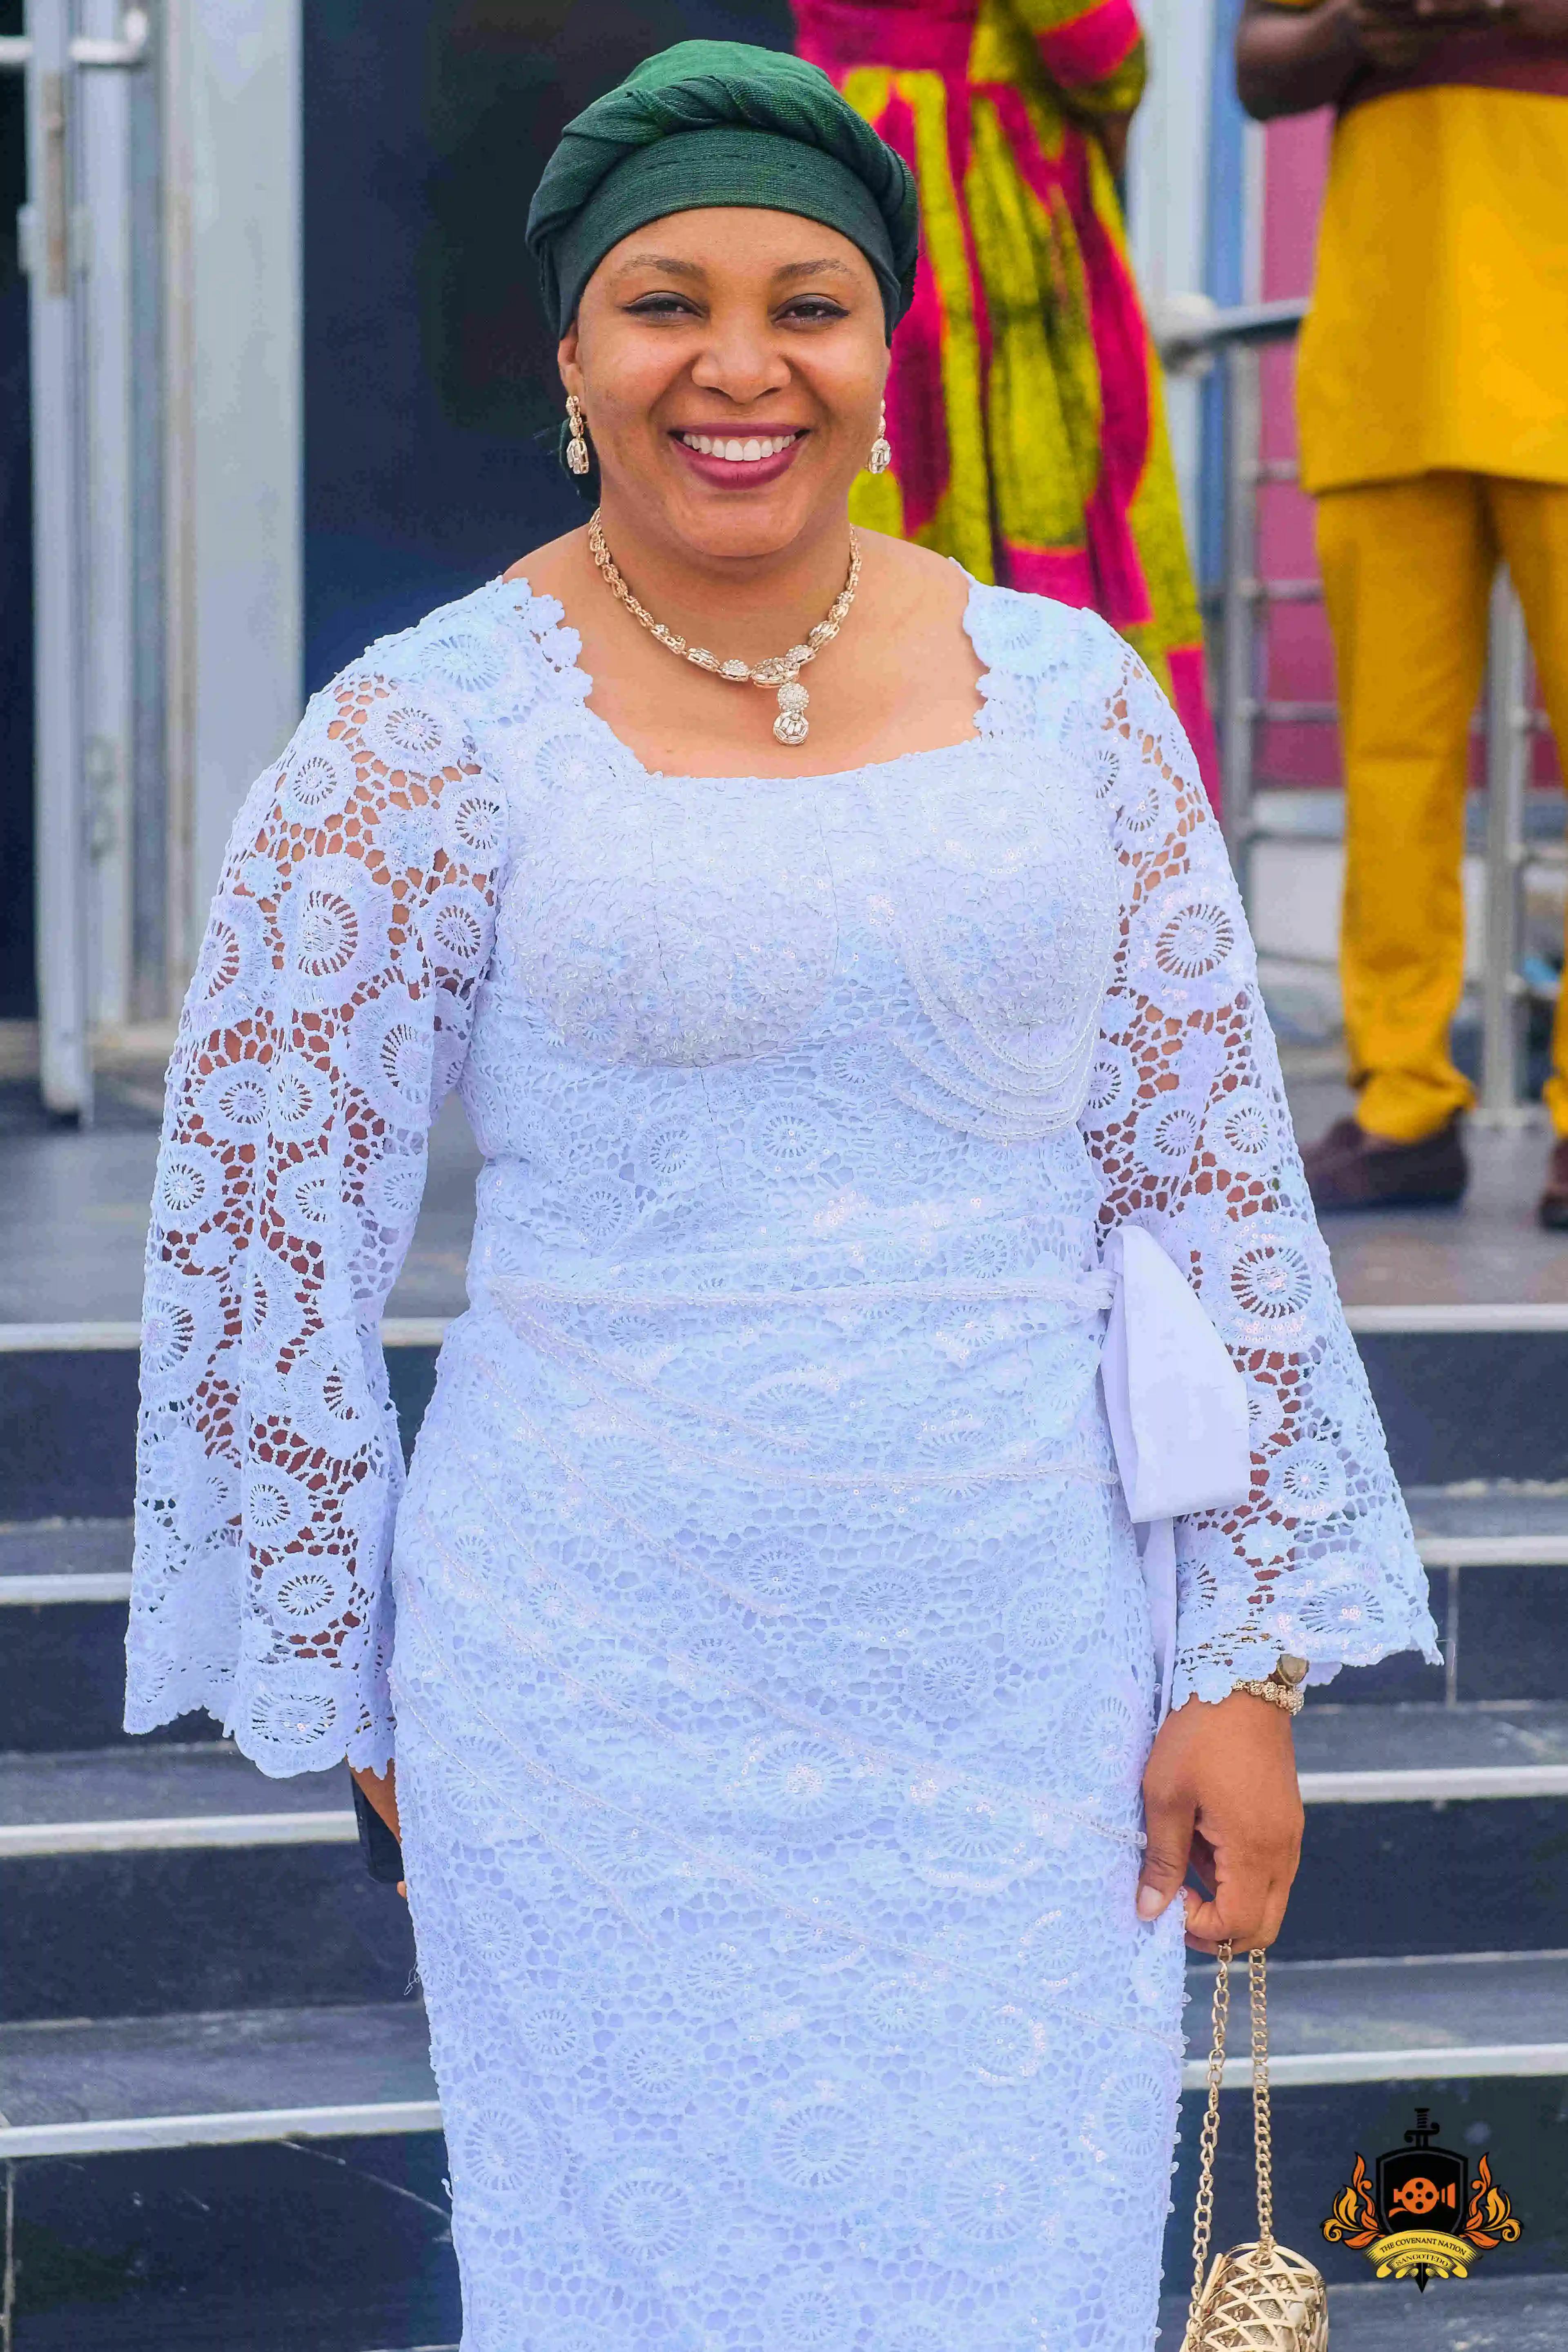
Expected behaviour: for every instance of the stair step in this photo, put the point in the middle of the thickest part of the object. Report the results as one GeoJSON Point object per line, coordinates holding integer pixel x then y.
{"type": "Point", "coordinates": [65, 1584]}
{"type": "Point", "coordinates": [303, 2244]}
{"type": "Point", "coordinates": [1497, 1553]}
{"type": "Point", "coordinates": [1461, 1318]}
{"type": "Point", "coordinates": [114, 1784]}
{"type": "Point", "coordinates": [1446, 1319]}
{"type": "Point", "coordinates": [68, 1561]}
{"type": "Point", "coordinates": [172, 1833]}
{"type": "Point", "coordinates": [140, 1878]}
{"type": "Point", "coordinates": [1477, 1524]}
{"type": "Point", "coordinates": [1469, 1392]}
{"type": "Point", "coordinates": [1464, 1391]}
{"type": "Point", "coordinates": [1430, 1829]}
{"type": "Point", "coordinates": [146, 1879]}
{"type": "Point", "coordinates": [1489, 2314]}
{"type": "Point", "coordinates": [57, 1561]}
{"type": "Point", "coordinates": [90, 2086]}
{"type": "Point", "coordinates": [1492, 1523]}
{"type": "Point", "coordinates": [116, 1800]}
{"type": "Point", "coordinates": [1491, 1506]}
{"type": "Point", "coordinates": [1370, 2020]}
{"type": "Point", "coordinates": [210, 2079]}
{"type": "Point", "coordinates": [1343, 1748]}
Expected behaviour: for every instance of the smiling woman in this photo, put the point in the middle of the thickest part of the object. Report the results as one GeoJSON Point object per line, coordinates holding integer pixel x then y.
{"type": "Point", "coordinates": [730, 375]}
{"type": "Point", "coordinates": [673, 292]}
{"type": "Point", "coordinates": [797, 1750]}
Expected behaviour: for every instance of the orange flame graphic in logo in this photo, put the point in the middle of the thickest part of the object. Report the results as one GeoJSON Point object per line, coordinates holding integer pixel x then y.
{"type": "Point", "coordinates": [1488, 2217]}
{"type": "Point", "coordinates": [1355, 2216]}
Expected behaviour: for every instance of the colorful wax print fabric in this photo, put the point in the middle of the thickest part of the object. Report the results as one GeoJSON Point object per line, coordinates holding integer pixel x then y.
{"type": "Point", "coordinates": [1024, 405]}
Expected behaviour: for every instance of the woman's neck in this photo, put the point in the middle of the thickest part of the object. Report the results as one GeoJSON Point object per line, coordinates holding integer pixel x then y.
{"type": "Point", "coordinates": [742, 606]}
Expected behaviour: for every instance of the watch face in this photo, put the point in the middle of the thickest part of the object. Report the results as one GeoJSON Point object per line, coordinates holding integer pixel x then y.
{"type": "Point", "coordinates": [1292, 1670]}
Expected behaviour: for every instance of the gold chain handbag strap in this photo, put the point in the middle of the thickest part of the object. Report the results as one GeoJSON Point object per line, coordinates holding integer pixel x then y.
{"type": "Point", "coordinates": [1209, 2138]}
{"type": "Point", "coordinates": [1263, 2122]}
{"type": "Point", "coordinates": [1276, 2297]}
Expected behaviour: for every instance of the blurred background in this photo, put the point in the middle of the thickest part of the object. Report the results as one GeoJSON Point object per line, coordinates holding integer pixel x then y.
{"type": "Point", "coordinates": [283, 384]}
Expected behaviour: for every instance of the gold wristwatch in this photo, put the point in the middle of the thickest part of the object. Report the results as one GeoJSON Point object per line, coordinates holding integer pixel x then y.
{"type": "Point", "coordinates": [1283, 1687]}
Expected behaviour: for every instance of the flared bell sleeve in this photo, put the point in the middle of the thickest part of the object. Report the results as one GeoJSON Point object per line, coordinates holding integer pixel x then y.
{"type": "Point", "coordinates": [328, 1018]}
{"type": "Point", "coordinates": [1186, 1120]}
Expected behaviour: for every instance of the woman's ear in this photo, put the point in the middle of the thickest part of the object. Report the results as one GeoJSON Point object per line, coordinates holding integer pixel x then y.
{"type": "Point", "coordinates": [566, 361]}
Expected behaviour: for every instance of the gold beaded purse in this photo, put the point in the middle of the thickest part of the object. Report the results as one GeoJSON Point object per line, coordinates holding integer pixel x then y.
{"type": "Point", "coordinates": [1258, 2297]}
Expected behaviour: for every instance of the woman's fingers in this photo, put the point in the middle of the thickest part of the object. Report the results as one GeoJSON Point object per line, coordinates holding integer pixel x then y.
{"type": "Point", "coordinates": [1168, 1815]}
{"type": "Point", "coordinates": [1250, 1874]}
{"type": "Point", "coordinates": [1245, 1913]}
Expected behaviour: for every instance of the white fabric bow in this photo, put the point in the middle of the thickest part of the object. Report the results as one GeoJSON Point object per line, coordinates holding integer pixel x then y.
{"type": "Point", "coordinates": [1178, 1409]}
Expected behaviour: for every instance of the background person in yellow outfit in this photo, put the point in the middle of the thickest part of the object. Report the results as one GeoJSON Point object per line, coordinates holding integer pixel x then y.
{"type": "Point", "coordinates": [1432, 393]}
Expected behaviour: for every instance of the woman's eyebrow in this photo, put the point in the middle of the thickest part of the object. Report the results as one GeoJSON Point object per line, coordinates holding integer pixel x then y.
{"type": "Point", "coordinates": [813, 269]}
{"type": "Point", "coordinates": [787, 270]}
{"type": "Point", "coordinates": [662, 262]}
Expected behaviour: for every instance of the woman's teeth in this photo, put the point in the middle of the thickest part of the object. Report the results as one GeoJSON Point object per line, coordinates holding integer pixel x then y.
{"type": "Point", "coordinates": [738, 453]}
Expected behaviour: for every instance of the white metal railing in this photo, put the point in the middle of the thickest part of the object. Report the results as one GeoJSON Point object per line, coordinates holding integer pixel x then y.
{"type": "Point", "coordinates": [1193, 334]}
{"type": "Point", "coordinates": [72, 233]}
{"type": "Point", "coordinates": [82, 49]}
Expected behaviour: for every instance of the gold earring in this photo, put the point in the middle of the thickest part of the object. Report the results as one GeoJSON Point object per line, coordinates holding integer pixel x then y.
{"type": "Point", "coordinates": [577, 446]}
{"type": "Point", "coordinates": [881, 456]}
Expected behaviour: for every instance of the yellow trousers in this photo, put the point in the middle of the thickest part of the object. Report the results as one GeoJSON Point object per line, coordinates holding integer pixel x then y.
{"type": "Point", "coordinates": [1407, 569]}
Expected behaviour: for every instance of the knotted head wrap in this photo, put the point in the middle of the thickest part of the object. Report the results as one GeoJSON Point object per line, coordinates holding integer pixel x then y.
{"type": "Point", "coordinates": [710, 123]}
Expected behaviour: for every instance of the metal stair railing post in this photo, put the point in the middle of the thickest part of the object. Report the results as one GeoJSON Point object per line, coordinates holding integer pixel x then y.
{"type": "Point", "coordinates": [1240, 682]}
{"type": "Point", "coordinates": [1193, 333]}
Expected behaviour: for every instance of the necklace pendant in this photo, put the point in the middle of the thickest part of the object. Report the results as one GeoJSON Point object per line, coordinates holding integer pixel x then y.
{"type": "Point", "coordinates": [792, 726]}
{"type": "Point", "coordinates": [781, 670]}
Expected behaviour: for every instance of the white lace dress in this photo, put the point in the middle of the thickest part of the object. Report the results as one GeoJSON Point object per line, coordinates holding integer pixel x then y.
{"type": "Point", "coordinates": [772, 1673]}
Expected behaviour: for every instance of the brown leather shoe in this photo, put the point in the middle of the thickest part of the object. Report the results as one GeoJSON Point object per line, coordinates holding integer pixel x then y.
{"type": "Point", "coordinates": [1349, 1169]}
{"type": "Point", "coordinates": [1553, 1209]}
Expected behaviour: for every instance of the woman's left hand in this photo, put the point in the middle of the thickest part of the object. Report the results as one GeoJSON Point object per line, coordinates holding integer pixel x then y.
{"type": "Point", "coordinates": [1220, 1798]}
{"type": "Point", "coordinates": [381, 1788]}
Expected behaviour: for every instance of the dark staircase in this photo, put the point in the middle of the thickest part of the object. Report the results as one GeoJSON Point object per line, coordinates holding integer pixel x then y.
{"type": "Point", "coordinates": [216, 2116]}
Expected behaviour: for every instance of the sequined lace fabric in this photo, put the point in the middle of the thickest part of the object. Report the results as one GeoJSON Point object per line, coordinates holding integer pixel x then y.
{"type": "Point", "coordinates": [772, 1674]}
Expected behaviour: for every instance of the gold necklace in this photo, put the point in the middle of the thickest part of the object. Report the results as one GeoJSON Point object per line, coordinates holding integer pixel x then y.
{"type": "Point", "coordinates": [780, 670]}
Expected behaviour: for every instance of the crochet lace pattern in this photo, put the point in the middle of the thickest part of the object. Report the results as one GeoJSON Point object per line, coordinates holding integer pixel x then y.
{"type": "Point", "coordinates": [773, 1675]}
{"type": "Point", "coordinates": [353, 941]}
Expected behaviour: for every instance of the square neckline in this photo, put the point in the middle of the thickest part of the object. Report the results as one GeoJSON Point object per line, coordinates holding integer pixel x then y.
{"type": "Point", "coordinates": [565, 658]}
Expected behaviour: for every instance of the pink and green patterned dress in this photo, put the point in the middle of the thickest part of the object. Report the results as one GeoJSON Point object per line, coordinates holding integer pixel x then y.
{"type": "Point", "coordinates": [1024, 406]}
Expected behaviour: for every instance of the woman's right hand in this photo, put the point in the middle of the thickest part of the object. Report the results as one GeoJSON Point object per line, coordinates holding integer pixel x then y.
{"type": "Point", "coordinates": [1395, 33]}
{"type": "Point", "coordinates": [380, 1793]}
{"type": "Point", "coordinates": [1291, 61]}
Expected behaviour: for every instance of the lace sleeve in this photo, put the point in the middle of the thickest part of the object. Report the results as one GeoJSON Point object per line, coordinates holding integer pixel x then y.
{"type": "Point", "coordinates": [1187, 1121]}
{"type": "Point", "coordinates": [326, 1019]}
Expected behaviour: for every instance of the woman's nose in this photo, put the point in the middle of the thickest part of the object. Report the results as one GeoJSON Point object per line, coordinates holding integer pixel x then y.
{"type": "Point", "coordinates": [742, 366]}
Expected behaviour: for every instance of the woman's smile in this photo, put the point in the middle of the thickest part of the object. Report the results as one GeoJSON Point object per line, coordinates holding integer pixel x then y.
{"type": "Point", "coordinates": [733, 461]}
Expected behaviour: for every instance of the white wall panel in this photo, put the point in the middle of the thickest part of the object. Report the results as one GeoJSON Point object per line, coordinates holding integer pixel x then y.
{"type": "Point", "coordinates": [1167, 181]}
{"type": "Point", "coordinates": [233, 477]}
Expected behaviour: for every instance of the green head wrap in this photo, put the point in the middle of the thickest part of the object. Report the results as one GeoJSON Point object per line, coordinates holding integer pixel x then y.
{"type": "Point", "coordinates": [715, 122]}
